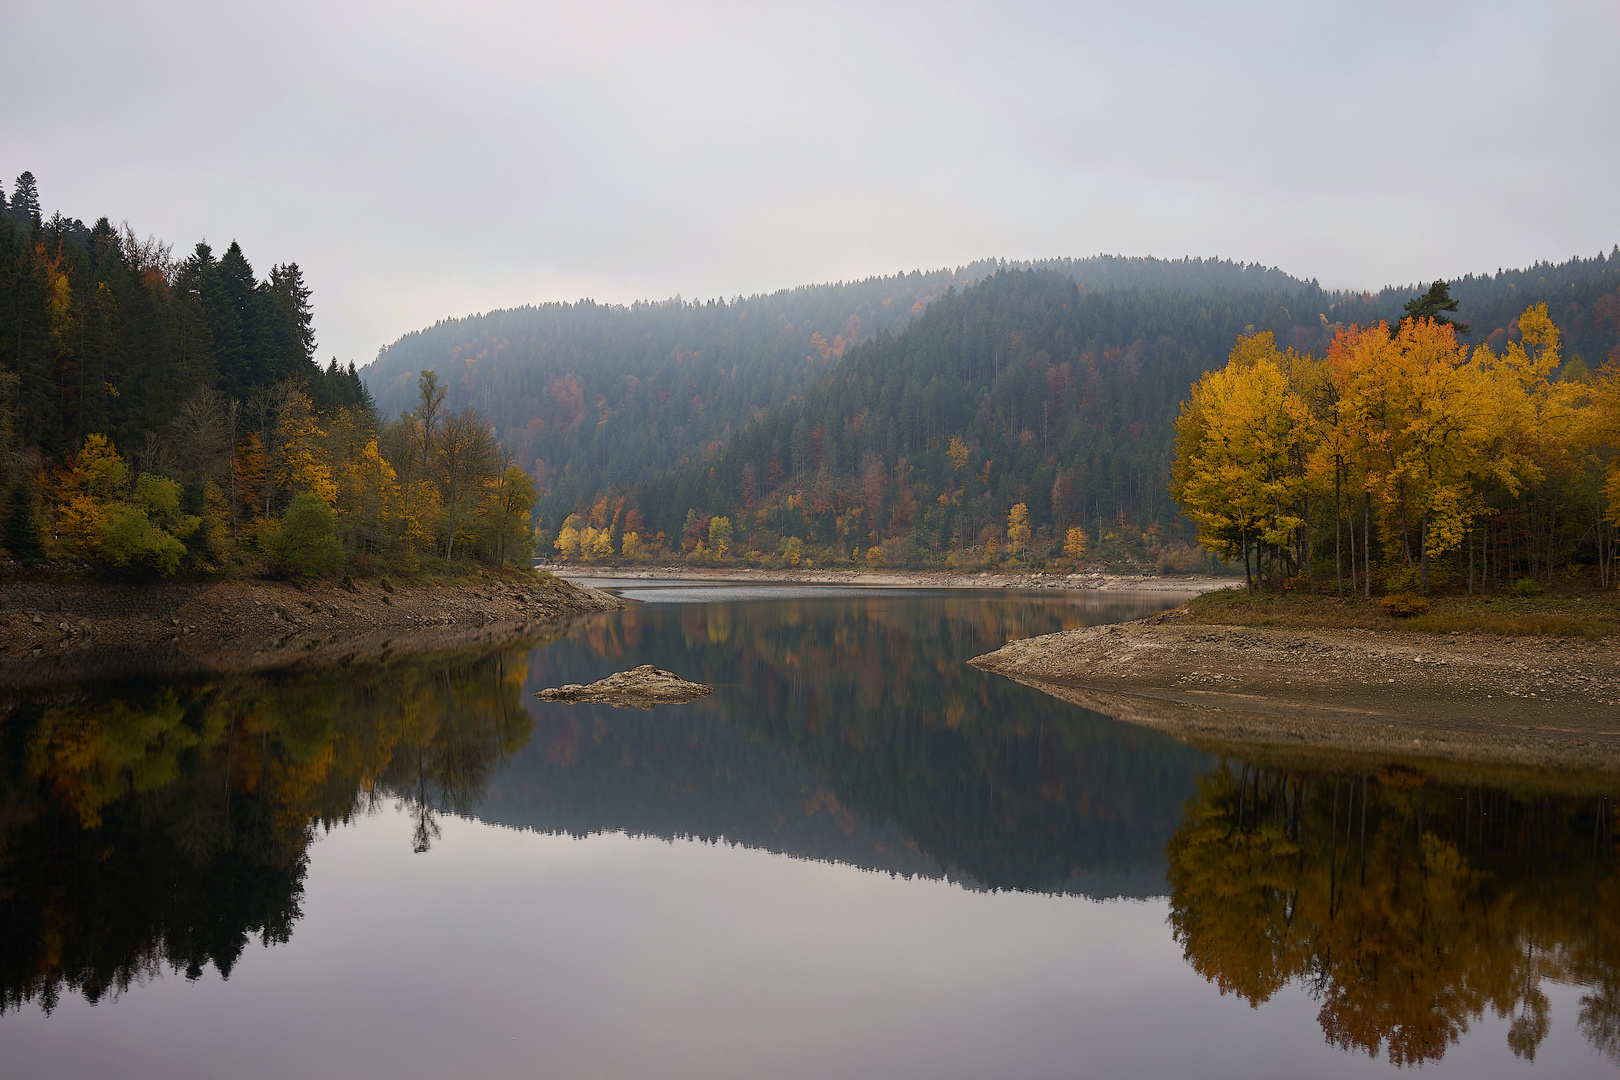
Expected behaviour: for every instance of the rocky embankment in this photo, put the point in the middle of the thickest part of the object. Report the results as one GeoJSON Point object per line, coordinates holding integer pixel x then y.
{"type": "Point", "coordinates": [1538, 702]}
{"type": "Point", "coordinates": [60, 633]}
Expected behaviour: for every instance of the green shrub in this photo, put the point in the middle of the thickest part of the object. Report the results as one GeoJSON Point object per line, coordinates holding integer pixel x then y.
{"type": "Point", "coordinates": [1526, 588]}
{"type": "Point", "coordinates": [131, 545]}
{"type": "Point", "coordinates": [1404, 605]}
{"type": "Point", "coordinates": [305, 541]}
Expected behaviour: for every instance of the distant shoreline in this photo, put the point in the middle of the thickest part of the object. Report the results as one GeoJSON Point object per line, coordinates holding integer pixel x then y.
{"type": "Point", "coordinates": [900, 579]}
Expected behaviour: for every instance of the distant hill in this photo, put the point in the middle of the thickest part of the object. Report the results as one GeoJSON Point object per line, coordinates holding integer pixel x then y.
{"type": "Point", "coordinates": [1063, 377]}
{"type": "Point", "coordinates": [588, 396]}
{"type": "Point", "coordinates": [1061, 398]}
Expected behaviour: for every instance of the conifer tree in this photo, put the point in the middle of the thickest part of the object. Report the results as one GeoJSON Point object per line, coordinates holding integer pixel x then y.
{"type": "Point", "coordinates": [25, 201]}
{"type": "Point", "coordinates": [1433, 305]}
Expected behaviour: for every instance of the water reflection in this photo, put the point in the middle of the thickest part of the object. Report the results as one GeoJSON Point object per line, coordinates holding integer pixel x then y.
{"type": "Point", "coordinates": [1408, 907]}
{"type": "Point", "coordinates": [864, 718]}
{"type": "Point", "coordinates": [147, 829]}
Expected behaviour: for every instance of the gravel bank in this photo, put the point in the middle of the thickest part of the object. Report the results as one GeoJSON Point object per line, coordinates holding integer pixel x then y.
{"type": "Point", "coordinates": [1526, 701]}
{"type": "Point", "coordinates": [905, 579]}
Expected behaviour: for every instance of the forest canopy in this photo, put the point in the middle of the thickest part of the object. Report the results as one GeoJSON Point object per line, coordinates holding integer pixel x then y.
{"type": "Point", "coordinates": [160, 415]}
{"type": "Point", "coordinates": [1029, 419]}
{"type": "Point", "coordinates": [1405, 459]}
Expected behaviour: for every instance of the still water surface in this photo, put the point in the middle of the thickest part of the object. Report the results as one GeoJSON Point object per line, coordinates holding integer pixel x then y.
{"type": "Point", "coordinates": [858, 857]}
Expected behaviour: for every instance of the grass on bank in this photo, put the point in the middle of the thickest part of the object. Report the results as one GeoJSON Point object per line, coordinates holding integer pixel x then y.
{"type": "Point", "coordinates": [1590, 616]}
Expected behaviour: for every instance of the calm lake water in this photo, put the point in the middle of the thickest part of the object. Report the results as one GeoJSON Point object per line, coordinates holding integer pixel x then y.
{"type": "Point", "coordinates": [858, 858]}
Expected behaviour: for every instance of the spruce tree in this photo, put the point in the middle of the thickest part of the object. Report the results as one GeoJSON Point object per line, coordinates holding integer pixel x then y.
{"type": "Point", "coordinates": [25, 201]}
{"type": "Point", "coordinates": [233, 305]}
{"type": "Point", "coordinates": [292, 331]}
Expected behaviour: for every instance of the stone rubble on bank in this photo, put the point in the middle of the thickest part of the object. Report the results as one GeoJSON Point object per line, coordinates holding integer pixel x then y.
{"type": "Point", "coordinates": [906, 579]}
{"type": "Point", "coordinates": [62, 633]}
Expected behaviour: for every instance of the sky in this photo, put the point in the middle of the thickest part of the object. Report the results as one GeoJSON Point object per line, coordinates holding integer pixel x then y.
{"type": "Point", "coordinates": [428, 160]}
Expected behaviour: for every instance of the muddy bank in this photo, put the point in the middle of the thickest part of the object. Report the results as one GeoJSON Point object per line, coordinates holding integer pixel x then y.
{"type": "Point", "coordinates": [904, 579]}
{"type": "Point", "coordinates": [62, 633]}
{"type": "Point", "coordinates": [1531, 702]}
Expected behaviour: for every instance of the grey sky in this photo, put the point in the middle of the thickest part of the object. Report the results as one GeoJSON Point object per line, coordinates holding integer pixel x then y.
{"type": "Point", "coordinates": [428, 160]}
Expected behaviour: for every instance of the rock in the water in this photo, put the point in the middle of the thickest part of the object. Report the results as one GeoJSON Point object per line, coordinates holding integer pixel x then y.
{"type": "Point", "coordinates": [640, 688]}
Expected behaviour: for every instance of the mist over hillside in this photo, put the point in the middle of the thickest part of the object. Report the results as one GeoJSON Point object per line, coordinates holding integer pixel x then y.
{"type": "Point", "coordinates": [589, 395]}
{"type": "Point", "coordinates": [1062, 377]}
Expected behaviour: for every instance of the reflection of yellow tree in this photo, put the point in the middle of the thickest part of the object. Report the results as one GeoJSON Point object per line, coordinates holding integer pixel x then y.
{"type": "Point", "coordinates": [93, 755]}
{"type": "Point", "coordinates": [199, 802]}
{"type": "Point", "coordinates": [1364, 891]}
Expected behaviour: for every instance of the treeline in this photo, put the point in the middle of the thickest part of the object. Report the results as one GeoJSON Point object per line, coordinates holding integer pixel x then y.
{"type": "Point", "coordinates": [1023, 418]}
{"type": "Point", "coordinates": [1404, 461]}
{"type": "Point", "coordinates": [159, 415]}
{"type": "Point", "coordinates": [593, 396]}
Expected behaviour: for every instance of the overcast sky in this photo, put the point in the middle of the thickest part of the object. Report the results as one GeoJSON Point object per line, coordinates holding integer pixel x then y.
{"type": "Point", "coordinates": [429, 160]}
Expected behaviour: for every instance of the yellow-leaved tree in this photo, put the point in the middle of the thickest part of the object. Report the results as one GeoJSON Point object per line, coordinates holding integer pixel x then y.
{"type": "Point", "coordinates": [1017, 527]}
{"type": "Point", "coordinates": [1074, 542]}
{"type": "Point", "coordinates": [1243, 439]}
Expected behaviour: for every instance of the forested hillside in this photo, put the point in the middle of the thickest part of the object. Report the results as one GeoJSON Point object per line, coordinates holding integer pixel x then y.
{"type": "Point", "coordinates": [1025, 413]}
{"type": "Point", "coordinates": [589, 396]}
{"type": "Point", "coordinates": [159, 415]}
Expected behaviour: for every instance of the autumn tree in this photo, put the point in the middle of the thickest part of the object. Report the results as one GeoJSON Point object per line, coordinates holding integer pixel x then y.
{"type": "Point", "coordinates": [1017, 527]}
{"type": "Point", "coordinates": [1242, 442]}
{"type": "Point", "coordinates": [467, 459]}
{"type": "Point", "coordinates": [1074, 542]}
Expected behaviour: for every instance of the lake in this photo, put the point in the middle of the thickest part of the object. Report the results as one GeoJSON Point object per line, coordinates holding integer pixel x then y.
{"type": "Point", "coordinates": [858, 857]}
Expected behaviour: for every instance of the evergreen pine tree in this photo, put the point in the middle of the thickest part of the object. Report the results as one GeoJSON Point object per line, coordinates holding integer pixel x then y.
{"type": "Point", "coordinates": [25, 201]}
{"type": "Point", "coordinates": [1433, 305]}
{"type": "Point", "coordinates": [233, 308]}
{"type": "Point", "coordinates": [293, 331]}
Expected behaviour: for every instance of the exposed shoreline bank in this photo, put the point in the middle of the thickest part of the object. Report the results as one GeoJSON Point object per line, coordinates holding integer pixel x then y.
{"type": "Point", "coordinates": [1531, 702]}
{"type": "Point", "coordinates": [69, 633]}
{"type": "Point", "coordinates": [901, 579]}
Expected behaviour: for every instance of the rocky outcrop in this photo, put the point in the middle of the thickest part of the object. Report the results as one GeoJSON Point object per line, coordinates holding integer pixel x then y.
{"type": "Point", "coordinates": [638, 688]}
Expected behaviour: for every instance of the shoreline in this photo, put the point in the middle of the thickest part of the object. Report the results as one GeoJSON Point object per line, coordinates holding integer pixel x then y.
{"type": "Point", "coordinates": [898, 579]}
{"type": "Point", "coordinates": [77, 633]}
{"type": "Point", "coordinates": [1537, 703]}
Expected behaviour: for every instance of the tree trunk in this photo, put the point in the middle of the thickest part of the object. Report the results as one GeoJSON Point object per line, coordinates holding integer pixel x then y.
{"type": "Point", "coordinates": [1338, 558]}
{"type": "Point", "coordinates": [1366, 542]}
{"type": "Point", "coordinates": [1423, 553]}
{"type": "Point", "coordinates": [1248, 579]}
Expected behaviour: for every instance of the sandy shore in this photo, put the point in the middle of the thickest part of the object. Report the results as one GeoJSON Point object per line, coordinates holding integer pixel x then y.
{"type": "Point", "coordinates": [68, 633]}
{"type": "Point", "coordinates": [1537, 702]}
{"type": "Point", "coordinates": [903, 579]}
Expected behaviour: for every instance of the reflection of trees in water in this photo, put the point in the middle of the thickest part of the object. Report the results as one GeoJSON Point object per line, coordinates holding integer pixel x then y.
{"type": "Point", "coordinates": [872, 697]}
{"type": "Point", "coordinates": [1408, 908]}
{"type": "Point", "coordinates": [152, 828]}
